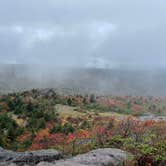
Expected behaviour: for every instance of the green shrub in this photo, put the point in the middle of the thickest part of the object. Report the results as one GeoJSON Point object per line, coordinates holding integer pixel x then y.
{"type": "Point", "coordinates": [67, 128]}
{"type": "Point", "coordinates": [9, 130]}
{"type": "Point", "coordinates": [92, 98]}
{"type": "Point", "coordinates": [57, 128]}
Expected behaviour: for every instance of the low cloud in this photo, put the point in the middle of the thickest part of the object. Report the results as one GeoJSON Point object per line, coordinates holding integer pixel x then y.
{"type": "Point", "coordinates": [76, 33]}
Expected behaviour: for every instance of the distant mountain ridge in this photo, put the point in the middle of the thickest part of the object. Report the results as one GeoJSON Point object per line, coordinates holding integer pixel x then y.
{"type": "Point", "coordinates": [83, 80]}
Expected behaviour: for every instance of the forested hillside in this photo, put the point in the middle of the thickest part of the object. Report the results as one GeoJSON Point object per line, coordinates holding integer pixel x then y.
{"type": "Point", "coordinates": [74, 124]}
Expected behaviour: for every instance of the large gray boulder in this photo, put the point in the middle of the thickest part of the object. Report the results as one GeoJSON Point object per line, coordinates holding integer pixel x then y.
{"type": "Point", "coordinates": [100, 157]}
{"type": "Point", "coordinates": [8, 157]}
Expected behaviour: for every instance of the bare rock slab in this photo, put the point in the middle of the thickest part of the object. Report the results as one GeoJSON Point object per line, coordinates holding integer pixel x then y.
{"type": "Point", "coordinates": [99, 157]}
{"type": "Point", "coordinates": [28, 158]}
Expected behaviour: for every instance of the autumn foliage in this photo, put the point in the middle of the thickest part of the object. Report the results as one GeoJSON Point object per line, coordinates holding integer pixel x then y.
{"type": "Point", "coordinates": [31, 121]}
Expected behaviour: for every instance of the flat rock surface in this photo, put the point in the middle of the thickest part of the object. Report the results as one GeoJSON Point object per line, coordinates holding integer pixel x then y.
{"type": "Point", "coordinates": [11, 158]}
{"type": "Point", "coordinates": [100, 157]}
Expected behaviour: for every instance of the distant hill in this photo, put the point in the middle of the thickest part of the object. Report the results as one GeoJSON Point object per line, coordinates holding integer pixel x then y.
{"type": "Point", "coordinates": [83, 80]}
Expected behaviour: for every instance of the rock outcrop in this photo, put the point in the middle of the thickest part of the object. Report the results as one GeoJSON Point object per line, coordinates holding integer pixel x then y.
{"type": "Point", "coordinates": [28, 158]}
{"type": "Point", "coordinates": [100, 157]}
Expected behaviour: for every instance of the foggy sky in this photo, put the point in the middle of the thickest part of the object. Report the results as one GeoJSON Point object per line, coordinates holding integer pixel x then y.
{"type": "Point", "coordinates": [86, 33]}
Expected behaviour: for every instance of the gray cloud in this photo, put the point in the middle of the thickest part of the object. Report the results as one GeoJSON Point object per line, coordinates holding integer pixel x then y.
{"type": "Point", "coordinates": [83, 33]}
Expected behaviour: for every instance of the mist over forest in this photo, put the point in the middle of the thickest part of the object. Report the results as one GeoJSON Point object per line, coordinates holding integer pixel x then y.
{"type": "Point", "coordinates": [115, 47]}
{"type": "Point", "coordinates": [115, 81]}
{"type": "Point", "coordinates": [83, 82]}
